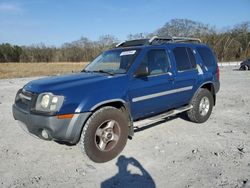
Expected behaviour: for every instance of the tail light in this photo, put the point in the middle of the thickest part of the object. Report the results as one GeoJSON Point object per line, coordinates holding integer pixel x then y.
{"type": "Point", "coordinates": [218, 73]}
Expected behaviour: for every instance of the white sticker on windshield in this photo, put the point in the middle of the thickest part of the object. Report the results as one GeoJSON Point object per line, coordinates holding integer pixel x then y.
{"type": "Point", "coordinates": [131, 52]}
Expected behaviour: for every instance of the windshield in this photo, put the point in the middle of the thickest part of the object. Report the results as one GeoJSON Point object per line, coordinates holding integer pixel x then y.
{"type": "Point", "coordinates": [114, 62]}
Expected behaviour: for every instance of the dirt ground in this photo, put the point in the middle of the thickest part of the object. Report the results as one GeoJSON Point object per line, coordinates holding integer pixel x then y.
{"type": "Point", "coordinates": [175, 153]}
{"type": "Point", "coordinates": [21, 70]}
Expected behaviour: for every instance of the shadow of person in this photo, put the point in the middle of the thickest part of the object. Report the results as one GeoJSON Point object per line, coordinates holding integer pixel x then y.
{"type": "Point", "coordinates": [124, 178]}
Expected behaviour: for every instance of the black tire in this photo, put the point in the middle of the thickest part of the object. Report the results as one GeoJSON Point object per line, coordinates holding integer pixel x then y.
{"type": "Point", "coordinates": [96, 141]}
{"type": "Point", "coordinates": [195, 114]}
{"type": "Point", "coordinates": [244, 67]}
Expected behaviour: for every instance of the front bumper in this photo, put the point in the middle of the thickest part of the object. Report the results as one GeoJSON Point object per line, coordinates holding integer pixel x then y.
{"type": "Point", "coordinates": [66, 130]}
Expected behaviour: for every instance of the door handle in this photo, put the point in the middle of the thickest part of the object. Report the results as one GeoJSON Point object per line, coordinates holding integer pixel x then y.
{"type": "Point", "coordinates": [171, 79]}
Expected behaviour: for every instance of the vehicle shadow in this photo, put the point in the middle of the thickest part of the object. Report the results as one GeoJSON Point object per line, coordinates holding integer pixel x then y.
{"type": "Point", "coordinates": [124, 178]}
{"type": "Point", "coordinates": [235, 69]}
{"type": "Point", "coordinates": [240, 70]}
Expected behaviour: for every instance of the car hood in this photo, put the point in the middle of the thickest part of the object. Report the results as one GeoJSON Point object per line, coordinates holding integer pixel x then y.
{"type": "Point", "coordinates": [56, 84]}
{"type": "Point", "coordinates": [246, 62]}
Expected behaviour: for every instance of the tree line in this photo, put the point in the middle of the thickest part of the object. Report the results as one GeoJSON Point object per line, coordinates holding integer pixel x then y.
{"type": "Point", "coordinates": [229, 45]}
{"type": "Point", "coordinates": [78, 51]}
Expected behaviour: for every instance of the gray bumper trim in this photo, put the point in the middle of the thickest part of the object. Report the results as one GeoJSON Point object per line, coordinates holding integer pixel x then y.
{"type": "Point", "coordinates": [67, 130]}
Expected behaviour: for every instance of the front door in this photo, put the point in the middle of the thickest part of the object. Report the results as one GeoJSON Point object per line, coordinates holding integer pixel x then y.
{"type": "Point", "coordinates": [149, 94]}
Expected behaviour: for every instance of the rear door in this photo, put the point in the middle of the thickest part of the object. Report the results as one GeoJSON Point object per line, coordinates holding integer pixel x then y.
{"type": "Point", "coordinates": [186, 74]}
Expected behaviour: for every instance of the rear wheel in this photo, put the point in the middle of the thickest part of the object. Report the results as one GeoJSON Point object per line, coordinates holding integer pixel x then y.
{"type": "Point", "coordinates": [202, 106]}
{"type": "Point", "coordinates": [104, 135]}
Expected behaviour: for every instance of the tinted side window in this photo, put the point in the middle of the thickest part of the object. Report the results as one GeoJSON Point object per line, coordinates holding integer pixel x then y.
{"type": "Point", "coordinates": [191, 57]}
{"type": "Point", "coordinates": [181, 55]}
{"type": "Point", "coordinates": [206, 56]}
{"type": "Point", "coordinates": [157, 62]}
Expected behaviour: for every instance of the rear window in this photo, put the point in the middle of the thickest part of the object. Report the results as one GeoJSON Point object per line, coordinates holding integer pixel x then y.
{"type": "Point", "coordinates": [184, 58]}
{"type": "Point", "coordinates": [206, 56]}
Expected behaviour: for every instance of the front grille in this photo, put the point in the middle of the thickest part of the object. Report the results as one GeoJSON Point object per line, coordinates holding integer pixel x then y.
{"type": "Point", "coordinates": [25, 100]}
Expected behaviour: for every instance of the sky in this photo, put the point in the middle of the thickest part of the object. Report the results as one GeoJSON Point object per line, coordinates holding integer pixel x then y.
{"type": "Point", "coordinates": [54, 22]}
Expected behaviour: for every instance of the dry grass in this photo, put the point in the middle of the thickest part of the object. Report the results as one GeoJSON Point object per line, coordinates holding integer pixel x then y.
{"type": "Point", "coordinates": [19, 70]}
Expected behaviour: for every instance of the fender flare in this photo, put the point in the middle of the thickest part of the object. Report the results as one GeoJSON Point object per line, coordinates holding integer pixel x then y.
{"type": "Point", "coordinates": [209, 82]}
{"type": "Point", "coordinates": [93, 108]}
{"type": "Point", "coordinates": [125, 108]}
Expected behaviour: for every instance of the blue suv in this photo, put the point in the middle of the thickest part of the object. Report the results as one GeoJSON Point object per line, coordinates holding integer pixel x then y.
{"type": "Point", "coordinates": [135, 84]}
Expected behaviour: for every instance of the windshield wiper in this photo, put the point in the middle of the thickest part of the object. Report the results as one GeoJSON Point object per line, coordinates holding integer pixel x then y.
{"type": "Point", "coordinates": [85, 70]}
{"type": "Point", "coordinates": [103, 71]}
{"type": "Point", "coordinates": [99, 71]}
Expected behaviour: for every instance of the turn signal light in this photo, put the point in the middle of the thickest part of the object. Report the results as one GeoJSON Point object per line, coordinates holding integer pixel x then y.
{"type": "Point", "coordinates": [65, 116]}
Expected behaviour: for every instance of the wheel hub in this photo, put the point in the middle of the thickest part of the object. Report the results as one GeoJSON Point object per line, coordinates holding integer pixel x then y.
{"type": "Point", "coordinates": [107, 135]}
{"type": "Point", "coordinates": [204, 106]}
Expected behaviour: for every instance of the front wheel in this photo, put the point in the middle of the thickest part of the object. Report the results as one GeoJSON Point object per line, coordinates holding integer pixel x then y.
{"type": "Point", "coordinates": [244, 67]}
{"type": "Point", "coordinates": [104, 135]}
{"type": "Point", "coordinates": [202, 106]}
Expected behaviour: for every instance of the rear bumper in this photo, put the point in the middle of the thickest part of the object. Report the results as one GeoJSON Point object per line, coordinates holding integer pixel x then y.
{"type": "Point", "coordinates": [66, 130]}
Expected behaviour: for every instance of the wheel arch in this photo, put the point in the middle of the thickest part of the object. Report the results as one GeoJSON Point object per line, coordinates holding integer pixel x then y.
{"type": "Point", "coordinates": [210, 87]}
{"type": "Point", "coordinates": [119, 104]}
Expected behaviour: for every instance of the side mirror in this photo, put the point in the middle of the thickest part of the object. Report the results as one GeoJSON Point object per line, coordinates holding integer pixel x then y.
{"type": "Point", "coordinates": [142, 71]}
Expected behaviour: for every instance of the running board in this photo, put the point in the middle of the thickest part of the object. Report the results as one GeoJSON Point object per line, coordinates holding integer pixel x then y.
{"type": "Point", "coordinates": [160, 117]}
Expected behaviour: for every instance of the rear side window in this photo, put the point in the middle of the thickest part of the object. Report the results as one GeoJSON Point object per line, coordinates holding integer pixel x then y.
{"type": "Point", "coordinates": [206, 56]}
{"type": "Point", "coordinates": [185, 59]}
{"type": "Point", "coordinates": [191, 57]}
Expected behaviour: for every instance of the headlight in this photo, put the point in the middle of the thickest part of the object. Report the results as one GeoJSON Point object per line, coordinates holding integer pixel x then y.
{"type": "Point", "coordinates": [47, 102]}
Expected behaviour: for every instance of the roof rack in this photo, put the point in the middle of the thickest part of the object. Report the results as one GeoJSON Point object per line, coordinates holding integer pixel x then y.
{"type": "Point", "coordinates": [137, 42]}
{"type": "Point", "coordinates": [157, 40]}
{"type": "Point", "coordinates": [160, 40]}
{"type": "Point", "coordinates": [186, 39]}
{"type": "Point", "coordinates": [173, 39]}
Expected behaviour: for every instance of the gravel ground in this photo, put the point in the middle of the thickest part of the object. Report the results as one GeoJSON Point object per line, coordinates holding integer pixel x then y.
{"type": "Point", "coordinates": [175, 153]}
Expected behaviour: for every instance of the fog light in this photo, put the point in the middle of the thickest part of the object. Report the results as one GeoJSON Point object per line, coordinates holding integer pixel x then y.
{"type": "Point", "coordinates": [45, 134]}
